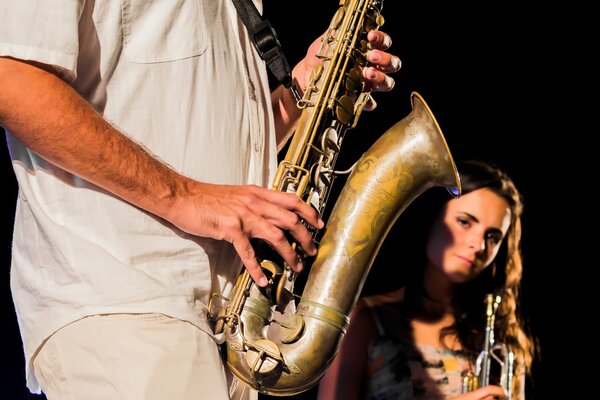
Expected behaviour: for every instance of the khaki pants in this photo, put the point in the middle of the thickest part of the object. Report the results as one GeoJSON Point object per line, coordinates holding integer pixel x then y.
{"type": "Point", "coordinates": [134, 357]}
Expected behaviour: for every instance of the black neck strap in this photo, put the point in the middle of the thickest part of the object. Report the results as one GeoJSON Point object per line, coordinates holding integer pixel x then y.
{"type": "Point", "coordinates": [266, 42]}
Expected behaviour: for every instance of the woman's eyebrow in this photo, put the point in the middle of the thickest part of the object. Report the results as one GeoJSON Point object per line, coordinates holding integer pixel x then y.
{"type": "Point", "coordinates": [471, 216]}
{"type": "Point", "coordinates": [474, 218]}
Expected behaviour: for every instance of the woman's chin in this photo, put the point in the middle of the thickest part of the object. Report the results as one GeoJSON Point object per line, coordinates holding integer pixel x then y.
{"type": "Point", "coordinates": [459, 277]}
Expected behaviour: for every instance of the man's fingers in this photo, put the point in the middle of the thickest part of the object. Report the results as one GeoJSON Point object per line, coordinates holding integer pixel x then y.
{"type": "Point", "coordinates": [380, 63]}
{"type": "Point", "coordinates": [248, 256]}
{"type": "Point", "coordinates": [379, 40]}
{"type": "Point", "coordinates": [377, 80]}
{"type": "Point", "coordinates": [277, 239]}
{"type": "Point", "coordinates": [291, 222]}
{"type": "Point", "coordinates": [291, 202]}
{"type": "Point", "coordinates": [268, 215]}
{"type": "Point", "coordinates": [384, 61]}
{"type": "Point", "coordinates": [259, 227]}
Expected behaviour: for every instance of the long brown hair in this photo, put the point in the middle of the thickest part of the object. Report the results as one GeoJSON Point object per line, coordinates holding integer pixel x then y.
{"type": "Point", "coordinates": [502, 277]}
{"type": "Point", "coordinates": [405, 246]}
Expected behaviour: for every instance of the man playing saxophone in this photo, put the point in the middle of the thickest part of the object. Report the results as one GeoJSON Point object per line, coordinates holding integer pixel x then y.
{"type": "Point", "coordinates": [143, 136]}
{"type": "Point", "coordinates": [419, 341]}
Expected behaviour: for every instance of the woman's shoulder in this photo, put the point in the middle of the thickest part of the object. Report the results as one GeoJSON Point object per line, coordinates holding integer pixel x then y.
{"type": "Point", "coordinates": [384, 299]}
{"type": "Point", "coordinates": [371, 310]}
{"type": "Point", "coordinates": [385, 311]}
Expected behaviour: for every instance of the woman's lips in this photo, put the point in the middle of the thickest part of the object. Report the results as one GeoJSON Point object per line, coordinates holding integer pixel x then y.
{"type": "Point", "coordinates": [467, 260]}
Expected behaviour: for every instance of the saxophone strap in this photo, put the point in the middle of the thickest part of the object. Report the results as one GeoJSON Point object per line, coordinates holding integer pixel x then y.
{"type": "Point", "coordinates": [267, 44]}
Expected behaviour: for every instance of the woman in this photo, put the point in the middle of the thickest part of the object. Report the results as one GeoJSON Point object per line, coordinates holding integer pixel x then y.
{"type": "Point", "coordinates": [421, 340]}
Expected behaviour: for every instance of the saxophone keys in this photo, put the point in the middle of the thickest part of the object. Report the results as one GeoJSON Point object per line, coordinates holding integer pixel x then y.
{"type": "Point", "coordinates": [291, 329]}
{"type": "Point", "coordinates": [330, 141]}
{"type": "Point", "coordinates": [283, 293]}
{"type": "Point", "coordinates": [374, 21]}
{"type": "Point", "coordinates": [353, 83]}
{"type": "Point", "coordinates": [264, 357]}
{"type": "Point", "coordinates": [344, 110]}
{"type": "Point", "coordinates": [337, 18]}
{"type": "Point", "coordinates": [316, 73]}
{"type": "Point", "coordinates": [320, 180]}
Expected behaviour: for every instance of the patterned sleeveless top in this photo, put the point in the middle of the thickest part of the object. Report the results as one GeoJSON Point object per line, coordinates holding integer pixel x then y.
{"type": "Point", "coordinates": [401, 370]}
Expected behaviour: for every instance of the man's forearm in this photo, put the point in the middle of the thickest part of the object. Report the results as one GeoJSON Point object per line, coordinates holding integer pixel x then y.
{"type": "Point", "coordinates": [49, 117]}
{"type": "Point", "coordinates": [286, 113]}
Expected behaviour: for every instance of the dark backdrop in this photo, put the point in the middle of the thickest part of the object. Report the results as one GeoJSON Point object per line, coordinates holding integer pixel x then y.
{"type": "Point", "coordinates": [494, 80]}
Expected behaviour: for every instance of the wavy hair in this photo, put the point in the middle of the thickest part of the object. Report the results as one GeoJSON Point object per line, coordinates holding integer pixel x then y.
{"type": "Point", "coordinates": [501, 277]}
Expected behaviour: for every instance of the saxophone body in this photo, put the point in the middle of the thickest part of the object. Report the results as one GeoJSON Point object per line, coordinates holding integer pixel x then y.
{"type": "Point", "coordinates": [281, 352]}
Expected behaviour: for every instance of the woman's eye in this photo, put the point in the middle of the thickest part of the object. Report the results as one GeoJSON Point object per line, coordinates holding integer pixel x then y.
{"type": "Point", "coordinates": [463, 222]}
{"type": "Point", "coordinates": [495, 239]}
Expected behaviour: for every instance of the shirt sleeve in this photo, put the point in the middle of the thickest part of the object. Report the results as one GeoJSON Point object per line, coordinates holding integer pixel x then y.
{"type": "Point", "coordinates": [42, 31]}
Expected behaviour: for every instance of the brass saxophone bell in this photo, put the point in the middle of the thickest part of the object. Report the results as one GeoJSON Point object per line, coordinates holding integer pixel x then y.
{"type": "Point", "coordinates": [409, 158]}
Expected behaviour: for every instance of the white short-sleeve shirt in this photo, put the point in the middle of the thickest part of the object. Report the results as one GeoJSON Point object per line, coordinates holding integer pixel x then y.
{"type": "Point", "coordinates": [178, 76]}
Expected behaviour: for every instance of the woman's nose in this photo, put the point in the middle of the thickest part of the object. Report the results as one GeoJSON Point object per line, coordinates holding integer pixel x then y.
{"type": "Point", "coordinates": [477, 242]}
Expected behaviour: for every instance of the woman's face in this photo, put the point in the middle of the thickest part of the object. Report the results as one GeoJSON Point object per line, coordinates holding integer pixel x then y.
{"type": "Point", "coordinates": [466, 236]}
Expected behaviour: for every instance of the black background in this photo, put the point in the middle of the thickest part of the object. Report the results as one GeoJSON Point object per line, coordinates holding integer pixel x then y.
{"type": "Point", "coordinates": [497, 83]}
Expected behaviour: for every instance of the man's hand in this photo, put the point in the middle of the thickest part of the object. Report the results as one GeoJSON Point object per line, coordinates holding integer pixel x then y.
{"type": "Point", "coordinates": [240, 213]}
{"type": "Point", "coordinates": [375, 73]}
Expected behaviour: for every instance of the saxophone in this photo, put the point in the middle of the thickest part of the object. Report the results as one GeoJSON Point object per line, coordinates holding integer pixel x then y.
{"type": "Point", "coordinates": [279, 352]}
